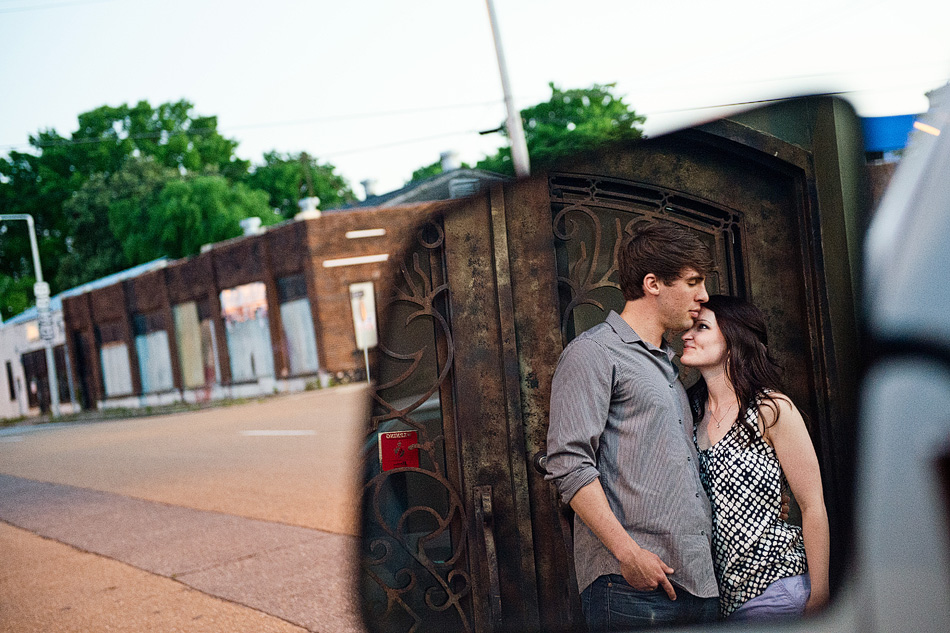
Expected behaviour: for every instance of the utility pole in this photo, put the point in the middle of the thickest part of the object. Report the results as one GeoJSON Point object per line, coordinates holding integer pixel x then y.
{"type": "Point", "coordinates": [519, 147]}
{"type": "Point", "coordinates": [43, 313]}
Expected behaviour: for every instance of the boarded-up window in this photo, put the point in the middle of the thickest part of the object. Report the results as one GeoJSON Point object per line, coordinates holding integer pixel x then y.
{"type": "Point", "coordinates": [116, 369]}
{"type": "Point", "coordinates": [298, 325]}
{"type": "Point", "coordinates": [151, 345]}
{"type": "Point", "coordinates": [244, 309]}
{"type": "Point", "coordinates": [114, 357]}
{"type": "Point", "coordinates": [197, 347]}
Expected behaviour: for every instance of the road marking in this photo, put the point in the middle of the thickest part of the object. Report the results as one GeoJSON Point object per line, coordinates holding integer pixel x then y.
{"type": "Point", "coordinates": [278, 433]}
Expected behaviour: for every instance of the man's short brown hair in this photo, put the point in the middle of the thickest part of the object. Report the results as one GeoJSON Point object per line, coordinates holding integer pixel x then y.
{"type": "Point", "coordinates": [662, 248]}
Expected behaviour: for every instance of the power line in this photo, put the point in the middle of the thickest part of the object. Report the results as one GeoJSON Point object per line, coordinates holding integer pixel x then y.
{"type": "Point", "coordinates": [201, 131]}
{"type": "Point", "coordinates": [365, 115]}
{"type": "Point", "coordinates": [198, 131]}
{"type": "Point", "coordinates": [341, 152]}
{"type": "Point", "coordinates": [99, 139]}
{"type": "Point", "coordinates": [412, 141]}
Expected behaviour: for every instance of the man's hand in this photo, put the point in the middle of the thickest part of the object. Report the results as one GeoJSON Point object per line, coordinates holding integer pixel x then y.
{"type": "Point", "coordinates": [645, 572]}
{"type": "Point", "coordinates": [641, 568]}
{"type": "Point", "coordinates": [783, 514]}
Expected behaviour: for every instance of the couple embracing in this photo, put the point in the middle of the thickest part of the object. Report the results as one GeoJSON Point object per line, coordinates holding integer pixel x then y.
{"type": "Point", "coordinates": [678, 496]}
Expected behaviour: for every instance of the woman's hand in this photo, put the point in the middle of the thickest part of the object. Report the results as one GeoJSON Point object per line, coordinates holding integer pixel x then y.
{"type": "Point", "coordinates": [816, 602]}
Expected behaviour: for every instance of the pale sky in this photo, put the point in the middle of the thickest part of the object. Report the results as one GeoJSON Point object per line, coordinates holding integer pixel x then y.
{"type": "Point", "coordinates": [379, 88]}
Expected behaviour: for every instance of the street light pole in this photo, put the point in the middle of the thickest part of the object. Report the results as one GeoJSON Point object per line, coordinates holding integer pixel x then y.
{"type": "Point", "coordinates": [44, 316]}
{"type": "Point", "coordinates": [519, 147]}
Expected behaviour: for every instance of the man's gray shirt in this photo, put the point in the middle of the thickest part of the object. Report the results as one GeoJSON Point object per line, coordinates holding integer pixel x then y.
{"type": "Point", "coordinates": [620, 413]}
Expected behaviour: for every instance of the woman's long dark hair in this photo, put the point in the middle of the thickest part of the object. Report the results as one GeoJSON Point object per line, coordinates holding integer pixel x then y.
{"type": "Point", "coordinates": [755, 376]}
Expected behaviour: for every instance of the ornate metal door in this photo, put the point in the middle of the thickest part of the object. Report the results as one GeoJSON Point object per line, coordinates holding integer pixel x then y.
{"type": "Point", "coordinates": [472, 538]}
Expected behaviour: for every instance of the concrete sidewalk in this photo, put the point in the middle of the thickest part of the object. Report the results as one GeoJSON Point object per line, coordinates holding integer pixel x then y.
{"type": "Point", "coordinates": [81, 559]}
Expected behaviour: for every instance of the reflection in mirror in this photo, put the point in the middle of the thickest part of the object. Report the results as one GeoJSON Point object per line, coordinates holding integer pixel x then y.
{"type": "Point", "coordinates": [460, 531]}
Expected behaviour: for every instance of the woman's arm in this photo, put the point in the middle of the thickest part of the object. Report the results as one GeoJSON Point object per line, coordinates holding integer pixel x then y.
{"type": "Point", "coordinates": [796, 454]}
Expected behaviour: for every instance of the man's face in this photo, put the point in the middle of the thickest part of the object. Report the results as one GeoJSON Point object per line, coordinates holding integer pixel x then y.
{"type": "Point", "coordinates": [681, 301]}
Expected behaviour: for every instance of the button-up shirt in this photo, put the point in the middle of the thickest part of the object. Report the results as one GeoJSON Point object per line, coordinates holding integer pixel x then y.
{"type": "Point", "coordinates": [620, 413]}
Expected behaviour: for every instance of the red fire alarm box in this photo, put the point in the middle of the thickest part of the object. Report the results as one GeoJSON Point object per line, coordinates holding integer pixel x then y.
{"type": "Point", "coordinates": [394, 451]}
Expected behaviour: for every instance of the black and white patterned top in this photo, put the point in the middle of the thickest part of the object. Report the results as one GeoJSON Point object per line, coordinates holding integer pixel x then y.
{"type": "Point", "coordinates": [752, 546]}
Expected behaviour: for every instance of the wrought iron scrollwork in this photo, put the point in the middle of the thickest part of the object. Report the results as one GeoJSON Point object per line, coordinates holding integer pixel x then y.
{"type": "Point", "coordinates": [591, 216]}
{"type": "Point", "coordinates": [415, 562]}
{"type": "Point", "coordinates": [584, 277]}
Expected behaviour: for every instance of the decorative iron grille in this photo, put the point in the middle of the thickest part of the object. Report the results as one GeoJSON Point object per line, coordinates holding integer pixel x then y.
{"type": "Point", "coordinates": [591, 214]}
{"type": "Point", "coordinates": [415, 564]}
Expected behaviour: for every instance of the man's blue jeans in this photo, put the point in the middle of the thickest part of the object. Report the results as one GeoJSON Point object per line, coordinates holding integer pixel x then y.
{"type": "Point", "coordinates": [611, 604]}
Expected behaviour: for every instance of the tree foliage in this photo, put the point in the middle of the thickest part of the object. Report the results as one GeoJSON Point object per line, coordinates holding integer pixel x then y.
{"type": "Point", "coordinates": [133, 192]}
{"type": "Point", "coordinates": [187, 213]}
{"type": "Point", "coordinates": [286, 178]}
{"type": "Point", "coordinates": [570, 122]}
{"type": "Point", "coordinates": [169, 133]}
{"type": "Point", "coordinates": [48, 183]}
{"type": "Point", "coordinates": [133, 183]}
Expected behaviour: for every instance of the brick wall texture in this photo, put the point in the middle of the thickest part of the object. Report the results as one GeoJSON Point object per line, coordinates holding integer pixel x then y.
{"type": "Point", "coordinates": [292, 248]}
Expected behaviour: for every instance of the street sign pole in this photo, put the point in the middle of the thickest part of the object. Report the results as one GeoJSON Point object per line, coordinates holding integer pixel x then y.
{"type": "Point", "coordinates": [43, 313]}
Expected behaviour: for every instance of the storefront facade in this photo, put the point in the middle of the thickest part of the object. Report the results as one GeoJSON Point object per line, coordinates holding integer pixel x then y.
{"type": "Point", "coordinates": [255, 315]}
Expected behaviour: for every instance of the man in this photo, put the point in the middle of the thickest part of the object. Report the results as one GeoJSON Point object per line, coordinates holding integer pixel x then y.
{"type": "Point", "coordinates": [620, 447]}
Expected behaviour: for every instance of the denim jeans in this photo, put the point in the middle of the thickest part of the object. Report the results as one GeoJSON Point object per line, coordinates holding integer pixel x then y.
{"type": "Point", "coordinates": [784, 598]}
{"type": "Point", "coordinates": [611, 604]}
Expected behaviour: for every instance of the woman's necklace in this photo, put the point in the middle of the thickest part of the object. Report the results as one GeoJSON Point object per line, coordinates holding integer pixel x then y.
{"type": "Point", "coordinates": [716, 418]}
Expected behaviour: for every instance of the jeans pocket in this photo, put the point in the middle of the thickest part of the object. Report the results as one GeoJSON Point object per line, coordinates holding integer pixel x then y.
{"type": "Point", "coordinates": [631, 607]}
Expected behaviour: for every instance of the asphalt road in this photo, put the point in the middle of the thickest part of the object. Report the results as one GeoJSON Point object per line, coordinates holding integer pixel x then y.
{"type": "Point", "coordinates": [238, 518]}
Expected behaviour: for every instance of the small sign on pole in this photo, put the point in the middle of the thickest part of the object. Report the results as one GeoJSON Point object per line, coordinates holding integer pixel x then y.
{"type": "Point", "coordinates": [44, 314]}
{"type": "Point", "coordinates": [363, 303]}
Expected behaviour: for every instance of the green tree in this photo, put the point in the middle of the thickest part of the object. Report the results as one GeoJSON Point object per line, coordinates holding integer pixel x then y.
{"type": "Point", "coordinates": [103, 208]}
{"type": "Point", "coordinates": [17, 294]}
{"type": "Point", "coordinates": [186, 214]}
{"type": "Point", "coordinates": [169, 133]}
{"type": "Point", "coordinates": [41, 182]}
{"type": "Point", "coordinates": [91, 250]}
{"type": "Point", "coordinates": [570, 122]}
{"type": "Point", "coordinates": [286, 178]}
{"type": "Point", "coordinates": [28, 184]}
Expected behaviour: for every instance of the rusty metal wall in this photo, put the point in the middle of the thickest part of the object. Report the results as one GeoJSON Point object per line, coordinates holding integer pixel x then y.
{"type": "Point", "coordinates": [483, 303]}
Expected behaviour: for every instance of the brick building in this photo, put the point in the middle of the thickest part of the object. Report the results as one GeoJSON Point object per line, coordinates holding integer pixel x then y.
{"type": "Point", "coordinates": [260, 313]}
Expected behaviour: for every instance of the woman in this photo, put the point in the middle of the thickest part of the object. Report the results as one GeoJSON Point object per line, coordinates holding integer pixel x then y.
{"type": "Point", "coordinates": [752, 441]}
